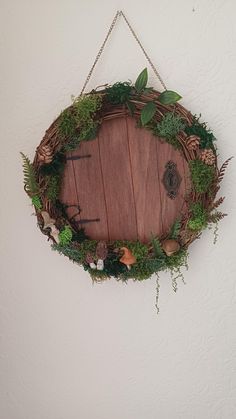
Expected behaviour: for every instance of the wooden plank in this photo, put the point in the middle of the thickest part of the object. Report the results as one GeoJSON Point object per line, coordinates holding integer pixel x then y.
{"type": "Point", "coordinates": [170, 208]}
{"type": "Point", "coordinates": [146, 182]}
{"type": "Point", "coordinates": [117, 179]}
{"type": "Point", "coordinates": [88, 179]}
{"type": "Point", "coordinates": [121, 185]}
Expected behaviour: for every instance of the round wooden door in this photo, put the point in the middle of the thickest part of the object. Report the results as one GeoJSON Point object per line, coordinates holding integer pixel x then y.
{"type": "Point", "coordinates": [127, 184]}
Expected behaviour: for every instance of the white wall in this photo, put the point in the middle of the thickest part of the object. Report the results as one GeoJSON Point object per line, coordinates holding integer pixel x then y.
{"type": "Point", "coordinates": [71, 350]}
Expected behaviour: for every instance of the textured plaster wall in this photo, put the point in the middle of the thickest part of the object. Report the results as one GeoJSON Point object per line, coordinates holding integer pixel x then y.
{"type": "Point", "coordinates": [72, 350]}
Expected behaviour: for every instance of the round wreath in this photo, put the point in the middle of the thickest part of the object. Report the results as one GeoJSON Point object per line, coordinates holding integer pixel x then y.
{"type": "Point", "coordinates": [170, 122]}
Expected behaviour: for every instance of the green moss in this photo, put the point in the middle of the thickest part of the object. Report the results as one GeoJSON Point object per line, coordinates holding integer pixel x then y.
{"type": "Point", "coordinates": [71, 251]}
{"type": "Point", "coordinates": [176, 261]}
{"type": "Point", "coordinates": [36, 201]}
{"type": "Point", "coordinates": [78, 123]}
{"type": "Point", "coordinates": [198, 220]}
{"type": "Point", "coordinates": [56, 167]}
{"type": "Point", "coordinates": [139, 250]}
{"type": "Point", "coordinates": [119, 93]}
{"type": "Point", "coordinates": [65, 236]}
{"type": "Point", "coordinates": [200, 129]}
{"type": "Point", "coordinates": [170, 125]}
{"type": "Point", "coordinates": [202, 175]}
{"type": "Point", "coordinates": [53, 187]}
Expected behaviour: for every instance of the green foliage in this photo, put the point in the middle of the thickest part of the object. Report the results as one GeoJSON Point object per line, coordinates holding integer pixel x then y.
{"type": "Point", "coordinates": [65, 236]}
{"type": "Point", "coordinates": [141, 81]}
{"type": "Point", "coordinates": [139, 250]}
{"type": "Point", "coordinates": [198, 220]}
{"type": "Point", "coordinates": [148, 113]}
{"type": "Point", "coordinates": [168, 97]}
{"type": "Point", "coordinates": [202, 175]}
{"type": "Point", "coordinates": [205, 134]}
{"type": "Point", "coordinates": [175, 229]}
{"type": "Point", "coordinates": [169, 127]}
{"type": "Point", "coordinates": [56, 166]}
{"type": "Point", "coordinates": [157, 248]}
{"type": "Point", "coordinates": [53, 187]}
{"type": "Point", "coordinates": [36, 201]}
{"type": "Point", "coordinates": [78, 123]}
{"type": "Point", "coordinates": [71, 251]}
{"type": "Point", "coordinates": [177, 260]}
{"type": "Point", "coordinates": [145, 268]}
{"type": "Point", "coordinates": [30, 181]}
{"type": "Point", "coordinates": [119, 93]}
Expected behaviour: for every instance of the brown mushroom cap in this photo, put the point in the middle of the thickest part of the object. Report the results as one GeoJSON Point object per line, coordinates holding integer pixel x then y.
{"type": "Point", "coordinates": [128, 258]}
{"type": "Point", "coordinates": [170, 246]}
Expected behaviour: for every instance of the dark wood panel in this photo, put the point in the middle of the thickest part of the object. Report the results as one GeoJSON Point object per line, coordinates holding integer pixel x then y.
{"type": "Point", "coordinates": [88, 178]}
{"type": "Point", "coordinates": [117, 178]}
{"type": "Point", "coordinates": [121, 184]}
{"type": "Point", "coordinates": [146, 181]}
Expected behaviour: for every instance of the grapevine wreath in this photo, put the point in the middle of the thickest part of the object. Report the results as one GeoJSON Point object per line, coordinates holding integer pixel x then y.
{"type": "Point", "coordinates": [169, 122]}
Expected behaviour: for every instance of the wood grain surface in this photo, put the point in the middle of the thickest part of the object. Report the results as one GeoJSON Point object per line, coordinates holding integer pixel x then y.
{"type": "Point", "coordinates": [117, 181]}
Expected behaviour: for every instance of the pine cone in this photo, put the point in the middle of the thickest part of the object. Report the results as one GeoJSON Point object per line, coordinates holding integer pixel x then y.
{"type": "Point", "coordinates": [193, 142]}
{"type": "Point", "coordinates": [208, 156]}
{"type": "Point", "coordinates": [45, 154]}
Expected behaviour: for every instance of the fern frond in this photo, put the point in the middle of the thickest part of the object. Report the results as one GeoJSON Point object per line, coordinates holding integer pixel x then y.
{"type": "Point", "coordinates": [30, 181]}
{"type": "Point", "coordinates": [158, 251]}
{"type": "Point", "coordinates": [175, 229]}
{"type": "Point", "coordinates": [223, 169]}
{"type": "Point", "coordinates": [217, 203]}
{"type": "Point", "coordinates": [216, 216]}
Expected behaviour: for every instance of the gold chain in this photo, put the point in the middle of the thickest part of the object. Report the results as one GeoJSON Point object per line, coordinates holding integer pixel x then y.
{"type": "Point", "coordinates": [117, 15]}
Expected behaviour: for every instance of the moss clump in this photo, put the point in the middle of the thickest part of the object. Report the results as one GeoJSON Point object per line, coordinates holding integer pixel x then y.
{"type": "Point", "coordinates": [205, 134]}
{"type": "Point", "coordinates": [78, 123]}
{"type": "Point", "coordinates": [170, 125]}
{"type": "Point", "coordinates": [36, 201]}
{"type": "Point", "coordinates": [202, 175]}
{"type": "Point", "coordinates": [70, 250]}
{"type": "Point", "coordinates": [139, 250]}
{"type": "Point", "coordinates": [176, 261]}
{"type": "Point", "coordinates": [65, 236]}
{"type": "Point", "coordinates": [198, 220]}
{"type": "Point", "coordinates": [119, 93]}
{"type": "Point", "coordinates": [53, 188]}
{"type": "Point", "coordinates": [56, 167]}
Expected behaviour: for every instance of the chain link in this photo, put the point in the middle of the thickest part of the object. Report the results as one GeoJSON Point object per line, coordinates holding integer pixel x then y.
{"type": "Point", "coordinates": [117, 15]}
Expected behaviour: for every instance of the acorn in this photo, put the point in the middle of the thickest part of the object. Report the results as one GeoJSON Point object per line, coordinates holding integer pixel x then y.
{"type": "Point", "coordinates": [170, 246]}
{"type": "Point", "coordinates": [193, 142]}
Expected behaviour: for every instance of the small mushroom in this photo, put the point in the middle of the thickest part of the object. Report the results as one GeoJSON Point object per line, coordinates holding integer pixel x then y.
{"type": "Point", "coordinates": [55, 233]}
{"type": "Point", "coordinates": [90, 260]}
{"type": "Point", "coordinates": [101, 253]}
{"type": "Point", "coordinates": [128, 258]}
{"type": "Point", "coordinates": [49, 222]}
{"type": "Point", "coordinates": [170, 246]}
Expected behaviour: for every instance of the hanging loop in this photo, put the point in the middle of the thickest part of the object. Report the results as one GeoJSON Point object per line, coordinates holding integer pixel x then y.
{"type": "Point", "coordinates": [117, 15]}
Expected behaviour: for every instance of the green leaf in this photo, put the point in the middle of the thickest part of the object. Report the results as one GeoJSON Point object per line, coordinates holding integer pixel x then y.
{"type": "Point", "coordinates": [141, 81]}
{"type": "Point", "coordinates": [148, 112]}
{"type": "Point", "coordinates": [30, 181]}
{"type": "Point", "coordinates": [168, 97]}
